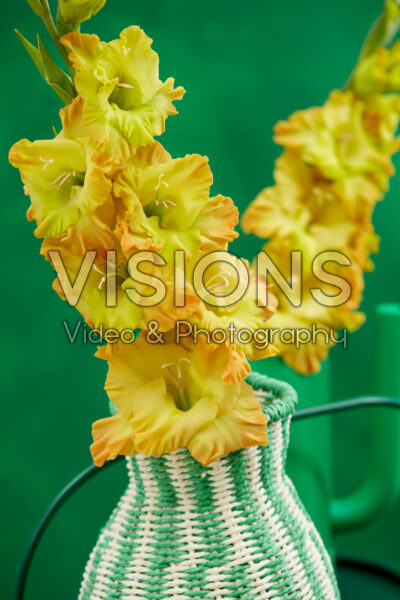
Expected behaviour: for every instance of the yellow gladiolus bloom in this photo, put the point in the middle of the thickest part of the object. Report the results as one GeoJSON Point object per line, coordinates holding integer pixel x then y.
{"type": "Point", "coordinates": [311, 212]}
{"type": "Point", "coordinates": [334, 139]}
{"type": "Point", "coordinates": [125, 102]}
{"type": "Point", "coordinates": [167, 207]}
{"type": "Point", "coordinates": [111, 299]}
{"type": "Point", "coordinates": [61, 176]}
{"type": "Point", "coordinates": [172, 395]}
{"type": "Point", "coordinates": [291, 326]}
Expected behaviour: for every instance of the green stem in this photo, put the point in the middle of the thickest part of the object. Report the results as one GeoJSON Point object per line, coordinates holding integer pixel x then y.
{"type": "Point", "coordinates": [51, 28]}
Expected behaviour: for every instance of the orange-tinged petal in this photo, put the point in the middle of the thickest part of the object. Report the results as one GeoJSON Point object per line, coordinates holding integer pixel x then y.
{"type": "Point", "coordinates": [83, 49]}
{"type": "Point", "coordinates": [112, 436]}
{"type": "Point", "coordinates": [216, 222]}
{"type": "Point", "coordinates": [72, 119]}
{"type": "Point", "coordinates": [237, 367]}
{"type": "Point", "coordinates": [61, 179]}
{"type": "Point", "coordinates": [163, 104]}
{"type": "Point", "coordinates": [126, 104]}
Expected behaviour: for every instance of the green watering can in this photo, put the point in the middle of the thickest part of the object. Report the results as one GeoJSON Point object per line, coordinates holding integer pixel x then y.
{"type": "Point", "coordinates": [310, 452]}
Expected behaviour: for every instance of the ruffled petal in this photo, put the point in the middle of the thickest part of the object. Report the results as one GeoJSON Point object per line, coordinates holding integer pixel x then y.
{"type": "Point", "coordinates": [160, 427]}
{"type": "Point", "coordinates": [112, 436]}
{"type": "Point", "coordinates": [245, 425]}
{"type": "Point", "coordinates": [83, 49]}
{"type": "Point", "coordinates": [216, 223]}
{"type": "Point", "coordinates": [126, 104]}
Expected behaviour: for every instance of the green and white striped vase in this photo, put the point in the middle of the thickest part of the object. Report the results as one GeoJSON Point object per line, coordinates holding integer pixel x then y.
{"type": "Point", "coordinates": [233, 530]}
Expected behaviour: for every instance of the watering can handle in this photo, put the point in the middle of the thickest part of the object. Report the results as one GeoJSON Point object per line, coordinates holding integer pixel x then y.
{"type": "Point", "coordinates": [382, 487]}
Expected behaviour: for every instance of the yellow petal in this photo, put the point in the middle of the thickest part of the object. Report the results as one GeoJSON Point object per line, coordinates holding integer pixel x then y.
{"type": "Point", "coordinates": [96, 190]}
{"type": "Point", "coordinates": [63, 183]}
{"type": "Point", "coordinates": [159, 426]}
{"type": "Point", "coordinates": [216, 223]}
{"type": "Point", "coordinates": [237, 367]}
{"type": "Point", "coordinates": [163, 104]}
{"type": "Point", "coordinates": [112, 436]}
{"type": "Point", "coordinates": [83, 49]}
{"type": "Point", "coordinates": [245, 425]}
{"type": "Point", "coordinates": [72, 119]}
{"type": "Point", "coordinates": [125, 102]}
{"type": "Point", "coordinates": [133, 365]}
{"type": "Point", "coordinates": [333, 138]}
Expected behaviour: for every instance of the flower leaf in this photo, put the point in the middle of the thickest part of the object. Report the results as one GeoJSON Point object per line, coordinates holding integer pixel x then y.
{"type": "Point", "coordinates": [56, 77]}
{"type": "Point", "coordinates": [37, 7]}
{"type": "Point", "coordinates": [50, 71]}
{"type": "Point", "coordinates": [33, 52]}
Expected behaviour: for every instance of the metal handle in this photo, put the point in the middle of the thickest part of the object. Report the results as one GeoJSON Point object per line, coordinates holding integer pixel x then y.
{"type": "Point", "coordinates": [382, 487]}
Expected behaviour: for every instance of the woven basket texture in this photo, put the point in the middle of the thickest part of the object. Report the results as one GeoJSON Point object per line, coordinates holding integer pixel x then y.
{"type": "Point", "coordinates": [233, 530]}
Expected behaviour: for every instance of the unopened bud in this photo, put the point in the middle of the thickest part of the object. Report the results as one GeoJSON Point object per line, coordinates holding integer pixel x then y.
{"type": "Point", "coordinates": [76, 11]}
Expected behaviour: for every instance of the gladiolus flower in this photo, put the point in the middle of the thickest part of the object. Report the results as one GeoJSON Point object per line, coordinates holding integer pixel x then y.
{"type": "Point", "coordinates": [129, 305]}
{"type": "Point", "coordinates": [334, 139]}
{"type": "Point", "coordinates": [312, 213]}
{"type": "Point", "coordinates": [175, 397]}
{"type": "Point", "coordinates": [167, 207]}
{"type": "Point", "coordinates": [126, 104]}
{"type": "Point", "coordinates": [311, 320]}
{"type": "Point", "coordinates": [61, 176]}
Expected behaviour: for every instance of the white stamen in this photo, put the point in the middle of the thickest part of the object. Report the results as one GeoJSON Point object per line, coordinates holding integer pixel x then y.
{"type": "Point", "coordinates": [65, 179]}
{"type": "Point", "coordinates": [102, 280]}
{"type": "Point", "coordinates": [220, 275]}
{"type": "Point", "coordinates": [45, 161]}
{"type": "Point", "coordinates": [126, 86]}
{"type": "Point", "coordinates": [58, 179]}
{"type": "Point", "coordinates": [182, 359]}
{"type": "Point", "coordinates": [216, 285]}
{"type": "Point", "coordinates": [61, 179]}
{"type": "Point", "coordinates": [160, 182]}
{"type": "Point", "coordinates": [178, 374]}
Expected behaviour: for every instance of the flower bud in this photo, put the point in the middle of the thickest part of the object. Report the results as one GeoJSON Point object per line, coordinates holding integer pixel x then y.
{"type": "Point", "coordinates": [76, 11]}
{"type": "Point", "coordinates": [392, 20]}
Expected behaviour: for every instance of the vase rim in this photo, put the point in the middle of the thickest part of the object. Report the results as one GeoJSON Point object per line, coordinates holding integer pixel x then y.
{"type": "Point", "coordinates": [278, 398]}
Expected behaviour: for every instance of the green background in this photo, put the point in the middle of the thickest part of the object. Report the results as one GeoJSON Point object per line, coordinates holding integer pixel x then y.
{"type": "Point", "coordinates": [244, 65]}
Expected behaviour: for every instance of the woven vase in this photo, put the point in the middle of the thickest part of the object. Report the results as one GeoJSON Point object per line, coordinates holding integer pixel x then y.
{"type": "Point", "coordinates": [233, 530]}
